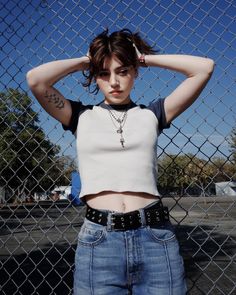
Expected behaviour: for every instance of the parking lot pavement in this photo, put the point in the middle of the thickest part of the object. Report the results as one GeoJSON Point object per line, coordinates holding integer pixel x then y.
{"type": "Point", "coordinates": [37, 245]}
{"type": "Point", "coordinates": [207, 236]}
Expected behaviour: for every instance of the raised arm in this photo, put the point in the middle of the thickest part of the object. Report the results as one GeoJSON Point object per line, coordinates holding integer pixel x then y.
{"type": "Point", "coordinates": [198, 71]}
{"type": "Point", "coordinates": [42, 78]}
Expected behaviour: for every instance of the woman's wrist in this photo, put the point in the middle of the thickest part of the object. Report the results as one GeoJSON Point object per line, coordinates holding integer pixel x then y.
{"type": "Point", "coordinates": [142, 60]}
{"type": "Point", "coordinates": [86, 59]}
{"type": "Point", "coordinates": [83, 63]}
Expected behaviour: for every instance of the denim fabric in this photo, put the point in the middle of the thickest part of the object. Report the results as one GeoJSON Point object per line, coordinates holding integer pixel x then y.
{"type": "Point", "coordinates": [138, 262]}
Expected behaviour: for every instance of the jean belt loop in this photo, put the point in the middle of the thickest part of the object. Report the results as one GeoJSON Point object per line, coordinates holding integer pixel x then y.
{"type": "Point", "coordinates": [109, 221]}
{"type": "Point", "coordinates": [142, 216]}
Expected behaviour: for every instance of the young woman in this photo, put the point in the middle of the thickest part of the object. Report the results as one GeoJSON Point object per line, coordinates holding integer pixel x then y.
{"type": "Point", "coordinates": [126, 244]}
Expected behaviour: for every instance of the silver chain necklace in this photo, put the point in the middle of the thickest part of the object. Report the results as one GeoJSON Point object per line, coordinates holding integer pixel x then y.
{"type": "Point", "coordinates": [121, 121]}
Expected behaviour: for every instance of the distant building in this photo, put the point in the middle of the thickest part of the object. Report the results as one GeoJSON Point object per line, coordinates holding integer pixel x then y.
{"type": "Point", "coordinates": [70, 192]}
{"type": "Point", "coordinates": [40, 196]}
{"type": "Point", "coordinates": [63, 192]}
{"type": "Point", "coordinates": [226, 188]}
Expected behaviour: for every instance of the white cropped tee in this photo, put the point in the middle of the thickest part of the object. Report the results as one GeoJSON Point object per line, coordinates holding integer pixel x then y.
{"type": "Point", "coordinates": [103, 164]}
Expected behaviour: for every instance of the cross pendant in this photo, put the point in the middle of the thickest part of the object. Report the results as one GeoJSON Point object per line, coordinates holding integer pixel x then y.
{"type": "Point", "coordinates": [122, 141]}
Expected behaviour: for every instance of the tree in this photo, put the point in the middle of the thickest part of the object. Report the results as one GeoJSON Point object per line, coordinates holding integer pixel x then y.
{"type": "Point", "coordinates": [233, 144]}
{"type": "Point", "coordinates": [188, 173]}
{"type": "Point", "coordinates": [171, 174]}
{"type": "Point", "coordinates": [223, 169]}
{"type": "Point", "coordinates": [200, 174]}
{"type": "Point", "coordinates": [179, 173]}
{"type": "Point", "coordinates": [28, 160]}
{"type": "Point", "coordinates": [67, 165]}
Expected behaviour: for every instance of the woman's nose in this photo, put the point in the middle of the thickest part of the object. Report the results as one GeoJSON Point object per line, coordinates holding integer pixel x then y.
{"type": "Point", "coordinates": [114, 80]}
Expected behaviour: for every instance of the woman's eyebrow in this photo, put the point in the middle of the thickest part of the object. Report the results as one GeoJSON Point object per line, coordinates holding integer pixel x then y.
{"type": "Point", "coordinates": [117, 68]}
{"type": "Point", "coordinates": [121, 67]}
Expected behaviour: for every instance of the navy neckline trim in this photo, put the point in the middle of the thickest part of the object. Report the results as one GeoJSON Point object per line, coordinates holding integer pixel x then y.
{"type": "Point", "coordinates": [118, 107]}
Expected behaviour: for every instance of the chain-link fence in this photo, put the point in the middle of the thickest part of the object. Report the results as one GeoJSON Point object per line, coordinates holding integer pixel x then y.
{"type": "Point", "coordinates": [197, 156]}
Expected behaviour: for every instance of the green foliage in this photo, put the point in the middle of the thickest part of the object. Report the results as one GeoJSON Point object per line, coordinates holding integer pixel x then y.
{"type": "Point", "coordinates": [27, 158]}
{"type": "Point", "coordinates": [180, 172]}
{"type": "Point", "coordinates": [233, 144]}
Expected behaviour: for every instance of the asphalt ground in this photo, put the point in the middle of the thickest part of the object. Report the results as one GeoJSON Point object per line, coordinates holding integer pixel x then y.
{"type": "Point", "coordinates": [38, 242]}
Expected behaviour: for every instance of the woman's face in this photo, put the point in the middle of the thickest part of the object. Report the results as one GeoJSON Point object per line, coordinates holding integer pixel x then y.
{"type": "Point", "coordinates": [116, 81]}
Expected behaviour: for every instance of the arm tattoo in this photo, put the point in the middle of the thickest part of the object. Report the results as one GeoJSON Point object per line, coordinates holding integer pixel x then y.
{"type": "Point", "coordinates": [53, 98]}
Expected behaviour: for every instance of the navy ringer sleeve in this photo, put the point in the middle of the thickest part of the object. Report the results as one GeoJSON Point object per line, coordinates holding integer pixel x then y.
{"type": "Point", "coordinates": [77, 108]}
{"type": "Point", "coordinates": [157, 107]}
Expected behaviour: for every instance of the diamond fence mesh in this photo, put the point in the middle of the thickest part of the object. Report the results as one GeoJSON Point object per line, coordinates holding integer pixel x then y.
{"type": "Point", "coordinates": [197, 156]}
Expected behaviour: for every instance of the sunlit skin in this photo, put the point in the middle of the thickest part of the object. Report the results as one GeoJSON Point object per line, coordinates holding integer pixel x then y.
{"type": "Point", "coordinates": [116, 81]}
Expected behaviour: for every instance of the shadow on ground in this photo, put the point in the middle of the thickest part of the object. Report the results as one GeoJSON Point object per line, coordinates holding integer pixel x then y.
{"type": "Point", "coordinates": [46, 271]}
{"type": "Point", "coordinates": [209, 260]}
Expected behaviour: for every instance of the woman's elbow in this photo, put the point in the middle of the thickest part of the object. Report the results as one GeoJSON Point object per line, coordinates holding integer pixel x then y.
{"type": "Point", "coordinates": [209, 66]}
{"type": "Point", "coordinates": [31, 78]}
{"type": "Point", "coordinates": [206, 69]}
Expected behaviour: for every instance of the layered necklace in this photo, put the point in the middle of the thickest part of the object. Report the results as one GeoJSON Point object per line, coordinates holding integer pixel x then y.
{"type": "Point", "coordinates": [119, 123]}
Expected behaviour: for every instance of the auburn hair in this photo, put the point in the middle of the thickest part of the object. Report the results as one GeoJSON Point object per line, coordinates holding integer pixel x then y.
{"type": "Point", "coordinates": [121, 45]}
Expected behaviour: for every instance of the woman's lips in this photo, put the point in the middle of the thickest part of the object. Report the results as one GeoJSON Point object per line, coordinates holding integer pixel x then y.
{"type": "Point", "coordinates": [115, 92]}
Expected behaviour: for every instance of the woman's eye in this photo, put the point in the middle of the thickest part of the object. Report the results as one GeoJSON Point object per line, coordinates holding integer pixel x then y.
{"type": "Point", "coordinates": [124, 72]}
{"type": "Point", "coordinates": [103, 74]}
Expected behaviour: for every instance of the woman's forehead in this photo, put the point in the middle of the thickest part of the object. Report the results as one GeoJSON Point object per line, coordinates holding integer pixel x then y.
{"type": "Point", "coordinates": [112, 62]}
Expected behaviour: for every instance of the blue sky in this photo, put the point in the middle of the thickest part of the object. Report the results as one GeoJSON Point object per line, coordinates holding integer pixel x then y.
{"type": "Point", "coordinates": [34, 32]}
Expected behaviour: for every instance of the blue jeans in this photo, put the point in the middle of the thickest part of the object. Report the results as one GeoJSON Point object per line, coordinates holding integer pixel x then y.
{"type": "Point", "coordinates": [138, 262]}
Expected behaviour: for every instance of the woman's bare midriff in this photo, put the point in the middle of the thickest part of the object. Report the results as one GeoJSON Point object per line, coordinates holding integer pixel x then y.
{"type": "Point", "coordinates": [120, 202]}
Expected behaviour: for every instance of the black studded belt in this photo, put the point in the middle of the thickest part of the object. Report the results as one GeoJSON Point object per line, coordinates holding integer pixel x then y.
{"type": "Point", "coordinates": [154, 215]}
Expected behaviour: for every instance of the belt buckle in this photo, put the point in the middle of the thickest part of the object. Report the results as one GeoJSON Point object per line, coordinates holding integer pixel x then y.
{"type": "Point", "coordinates": [123, 224]}
{"type": "Point", "coordinates": [112, 220]}
{"type": "Point", "coordinates": [119, 225]}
